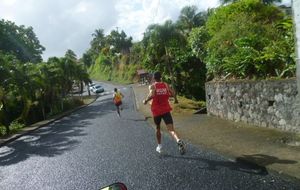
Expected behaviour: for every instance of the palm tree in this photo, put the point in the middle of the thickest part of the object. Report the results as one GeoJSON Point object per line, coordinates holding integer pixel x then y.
{"type": "Point", "coordinates": [189, 18]}
{"type": "Point", "coordinates": [98, 41]}
{"type": "Point", "coordinates": [161, 41]}
{"type": "Point", "coordinates": [82, 76]}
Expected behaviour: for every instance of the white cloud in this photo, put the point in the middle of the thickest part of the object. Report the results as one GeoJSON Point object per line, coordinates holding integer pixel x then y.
{"type": "Point", "coordinates": [8, 2]}
{"type": "Point", "coordinates": [68, 24]}
{"type": "Point", "coordinates": [135, 15]}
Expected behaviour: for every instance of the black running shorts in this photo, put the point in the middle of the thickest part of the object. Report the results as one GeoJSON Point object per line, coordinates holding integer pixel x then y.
{"type": "Point", "coordinates": [167, 117]}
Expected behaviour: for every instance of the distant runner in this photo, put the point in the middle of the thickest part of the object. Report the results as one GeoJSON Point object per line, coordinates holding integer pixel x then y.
{"type": "Point", "coordinates": [117, 99]}
{"type": "Point", "coordinates": [160, 107]}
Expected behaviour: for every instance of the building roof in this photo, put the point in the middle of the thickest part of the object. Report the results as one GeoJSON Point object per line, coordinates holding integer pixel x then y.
{"type": "Point", "coordinates": [141, 72]}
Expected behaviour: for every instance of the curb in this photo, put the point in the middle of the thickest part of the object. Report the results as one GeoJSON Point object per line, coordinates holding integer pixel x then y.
{"type": "Point", "coordinates": [40, 124]}
{"type": "Point", "coordinates": [136, 105]}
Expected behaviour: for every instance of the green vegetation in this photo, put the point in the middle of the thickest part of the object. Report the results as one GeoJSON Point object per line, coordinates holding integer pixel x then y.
{"type": "Point", "coordinates": [20, 41]}
{"type": "Point", "coordinates": [187, 106]}
{"type": "Point", "coordinates": [241, 39]}
{"type": "Point", "coordinates": [16, 126]}
{"type": "Point", "coordinates": [249, 40]}
{"type": "Point", "coordinates": [105, 69]}
{"type": "Point", "coordinates": [32, 90]}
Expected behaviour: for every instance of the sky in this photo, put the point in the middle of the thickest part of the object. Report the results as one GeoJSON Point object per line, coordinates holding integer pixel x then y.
{"type": "Point", "coordinates": [68, 24]}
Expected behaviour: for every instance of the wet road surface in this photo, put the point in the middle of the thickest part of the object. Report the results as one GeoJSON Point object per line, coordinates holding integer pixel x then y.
{"type": "Point", "coordinates": [93, 147]}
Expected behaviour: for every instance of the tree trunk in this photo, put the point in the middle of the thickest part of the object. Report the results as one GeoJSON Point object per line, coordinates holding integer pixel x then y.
{"type": "Point", "coordinates": [43, 110]}
{"type": "Point", "coordinates": [81, 88]}
{"type": "Point", "coordinates": [62, 102]}
{"type": "Point", "coordinates": [5, 122]}
{"type": "Point", "coordinates": [88, 89]}
{"type": "Point", "coordinates": [172, 82]}
{"type": "Point", "coordinates": [27, 106]}
{"type": "Point", "coordinates": [170, 69]}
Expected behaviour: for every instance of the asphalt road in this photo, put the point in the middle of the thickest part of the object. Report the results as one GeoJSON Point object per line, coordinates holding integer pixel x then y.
{"type": "Point", "coordinates": [93, 147]}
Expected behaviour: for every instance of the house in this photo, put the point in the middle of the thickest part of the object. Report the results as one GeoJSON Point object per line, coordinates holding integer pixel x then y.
{"type": "Point", "coordinates": [143, 76]}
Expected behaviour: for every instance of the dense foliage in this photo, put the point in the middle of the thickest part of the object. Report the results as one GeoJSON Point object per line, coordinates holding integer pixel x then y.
{"type": "Point", "coordinates": [32, 90]}
{"type": "Point", "coordinates": [249, 40]}
{"type": "Point", "coordinates": [240, 39]}
{"type": "Point", "coordinates": [20, 41]}
{"type": "Point", "coordinates": [109, 56]}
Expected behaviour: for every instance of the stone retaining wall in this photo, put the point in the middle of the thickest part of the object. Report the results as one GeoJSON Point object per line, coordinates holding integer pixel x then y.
{"type": "Point", "coordinates": [269, 103]}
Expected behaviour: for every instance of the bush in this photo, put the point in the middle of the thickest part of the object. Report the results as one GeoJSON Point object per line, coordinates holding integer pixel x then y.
{"type": "Point", "coordinates": [250, 40]}
{"type": "Point", "coordinates": [120, 71]}
{"type": "Point", "coordinates": [72, 103]}
{"type": "Point", "coordinates": [2, 131]}
{"type": "Point", "coordinates": [15, 126]}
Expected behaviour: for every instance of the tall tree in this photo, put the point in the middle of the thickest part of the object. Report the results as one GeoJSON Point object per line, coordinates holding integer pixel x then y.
{"type": "Point", "coordinates": [20, 41]}
{"type": "Point", "coordinates": [98, 42]}
{"type": "Point", "coordinates": [161, 40]}
{"type": "Point", "coordinates": [190, 18]}
{"type": "Point", "coordinates": [119, 42]}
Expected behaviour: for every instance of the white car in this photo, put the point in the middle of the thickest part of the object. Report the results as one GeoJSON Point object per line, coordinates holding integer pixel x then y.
{"type": "Point", "coordinates": [91, 86]}
{"type": "Point", "coordinates": [97, 89]}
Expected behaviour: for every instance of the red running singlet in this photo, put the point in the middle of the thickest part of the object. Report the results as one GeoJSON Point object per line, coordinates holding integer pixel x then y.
{"type": "Point", "coordinates": [160, 102]}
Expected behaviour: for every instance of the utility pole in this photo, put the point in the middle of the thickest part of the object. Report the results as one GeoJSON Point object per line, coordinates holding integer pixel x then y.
{"type": "Point", "coordinates": [296, 16]}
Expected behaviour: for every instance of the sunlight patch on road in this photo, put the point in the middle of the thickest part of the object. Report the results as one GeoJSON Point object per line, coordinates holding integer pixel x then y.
{"type": "Point", "coordinates": [5, 150]}
{"type": "Point", "coordinates": [29, 138]}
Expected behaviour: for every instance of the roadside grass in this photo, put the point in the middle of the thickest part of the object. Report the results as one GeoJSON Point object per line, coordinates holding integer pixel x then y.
{"type": "Point", "coordinates": [88, 99]}
{"type": "Point", "coordinates": [186, 106]}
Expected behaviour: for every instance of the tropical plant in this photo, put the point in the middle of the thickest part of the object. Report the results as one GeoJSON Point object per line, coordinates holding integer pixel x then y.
{"type": "Point", "coordinates": [160, 42]}
{"type": "Point", "coordinates": [189, 18]}
{"type": "Point", "coordinates": [243, 37]}
{"type": "Point", "coordinates": [20, 41]}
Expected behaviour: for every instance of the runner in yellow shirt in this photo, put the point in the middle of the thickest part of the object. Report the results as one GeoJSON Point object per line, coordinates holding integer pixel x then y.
{"type": "Point", "coordinates": [118, 100]}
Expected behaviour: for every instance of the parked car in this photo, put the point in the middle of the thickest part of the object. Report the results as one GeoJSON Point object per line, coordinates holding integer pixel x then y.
{"type": "Point", "coordinates": [97, 89]}
{"type": "Point", "coordinates": [91, 86]}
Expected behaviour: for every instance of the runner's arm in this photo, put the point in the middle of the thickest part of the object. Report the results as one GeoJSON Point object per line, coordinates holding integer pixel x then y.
{"type": "Point", "coordinates": [170, 89]}
{"type": "Point", "coordinates": [150, 95]}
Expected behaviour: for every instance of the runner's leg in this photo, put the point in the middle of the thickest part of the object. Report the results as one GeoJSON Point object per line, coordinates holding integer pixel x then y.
{"type": "Point", "coordinates": [172, 132]}
{"type": "Point", "coordinates": [170, 126]}
{"type": "Point", "coordinates": [157, 121]}
{"type": "Point", "coordinates": [121, 105]}
{"type": "Point", "coordinates": [118, 110]}
{"type": "Point", "coordinates": [169, 123]}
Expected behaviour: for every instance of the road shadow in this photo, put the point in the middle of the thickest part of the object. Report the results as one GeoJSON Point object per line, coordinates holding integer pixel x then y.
{"type": "Point", "coordinates": [218, 164]}
{"type": "Point", "coordinates": [56, 138]}
{"type": "Point", "coordinates": [46, 142]}
{"type": "Point", "coordinates": [241, 164]}
{"type": "Point", "coordinates": [60, 136]}
{"type": "Point", "coordinates": [263, 160]}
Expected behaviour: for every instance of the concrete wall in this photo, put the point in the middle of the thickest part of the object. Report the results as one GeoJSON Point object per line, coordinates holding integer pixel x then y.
{"type": "Point", "coordinates": [296, 15]}
{"type": "Point", "coordinates": [263, 103]}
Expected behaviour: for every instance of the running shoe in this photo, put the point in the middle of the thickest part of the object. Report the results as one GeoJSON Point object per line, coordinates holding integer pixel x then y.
{"type": "Point", "coordinates": [181, 147]}
{"type": "Point", "coordinates": [159, 149]}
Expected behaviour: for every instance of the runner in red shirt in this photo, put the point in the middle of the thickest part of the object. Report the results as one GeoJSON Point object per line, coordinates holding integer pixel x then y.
{"type": "Point", "coordinates": [160, 107]}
